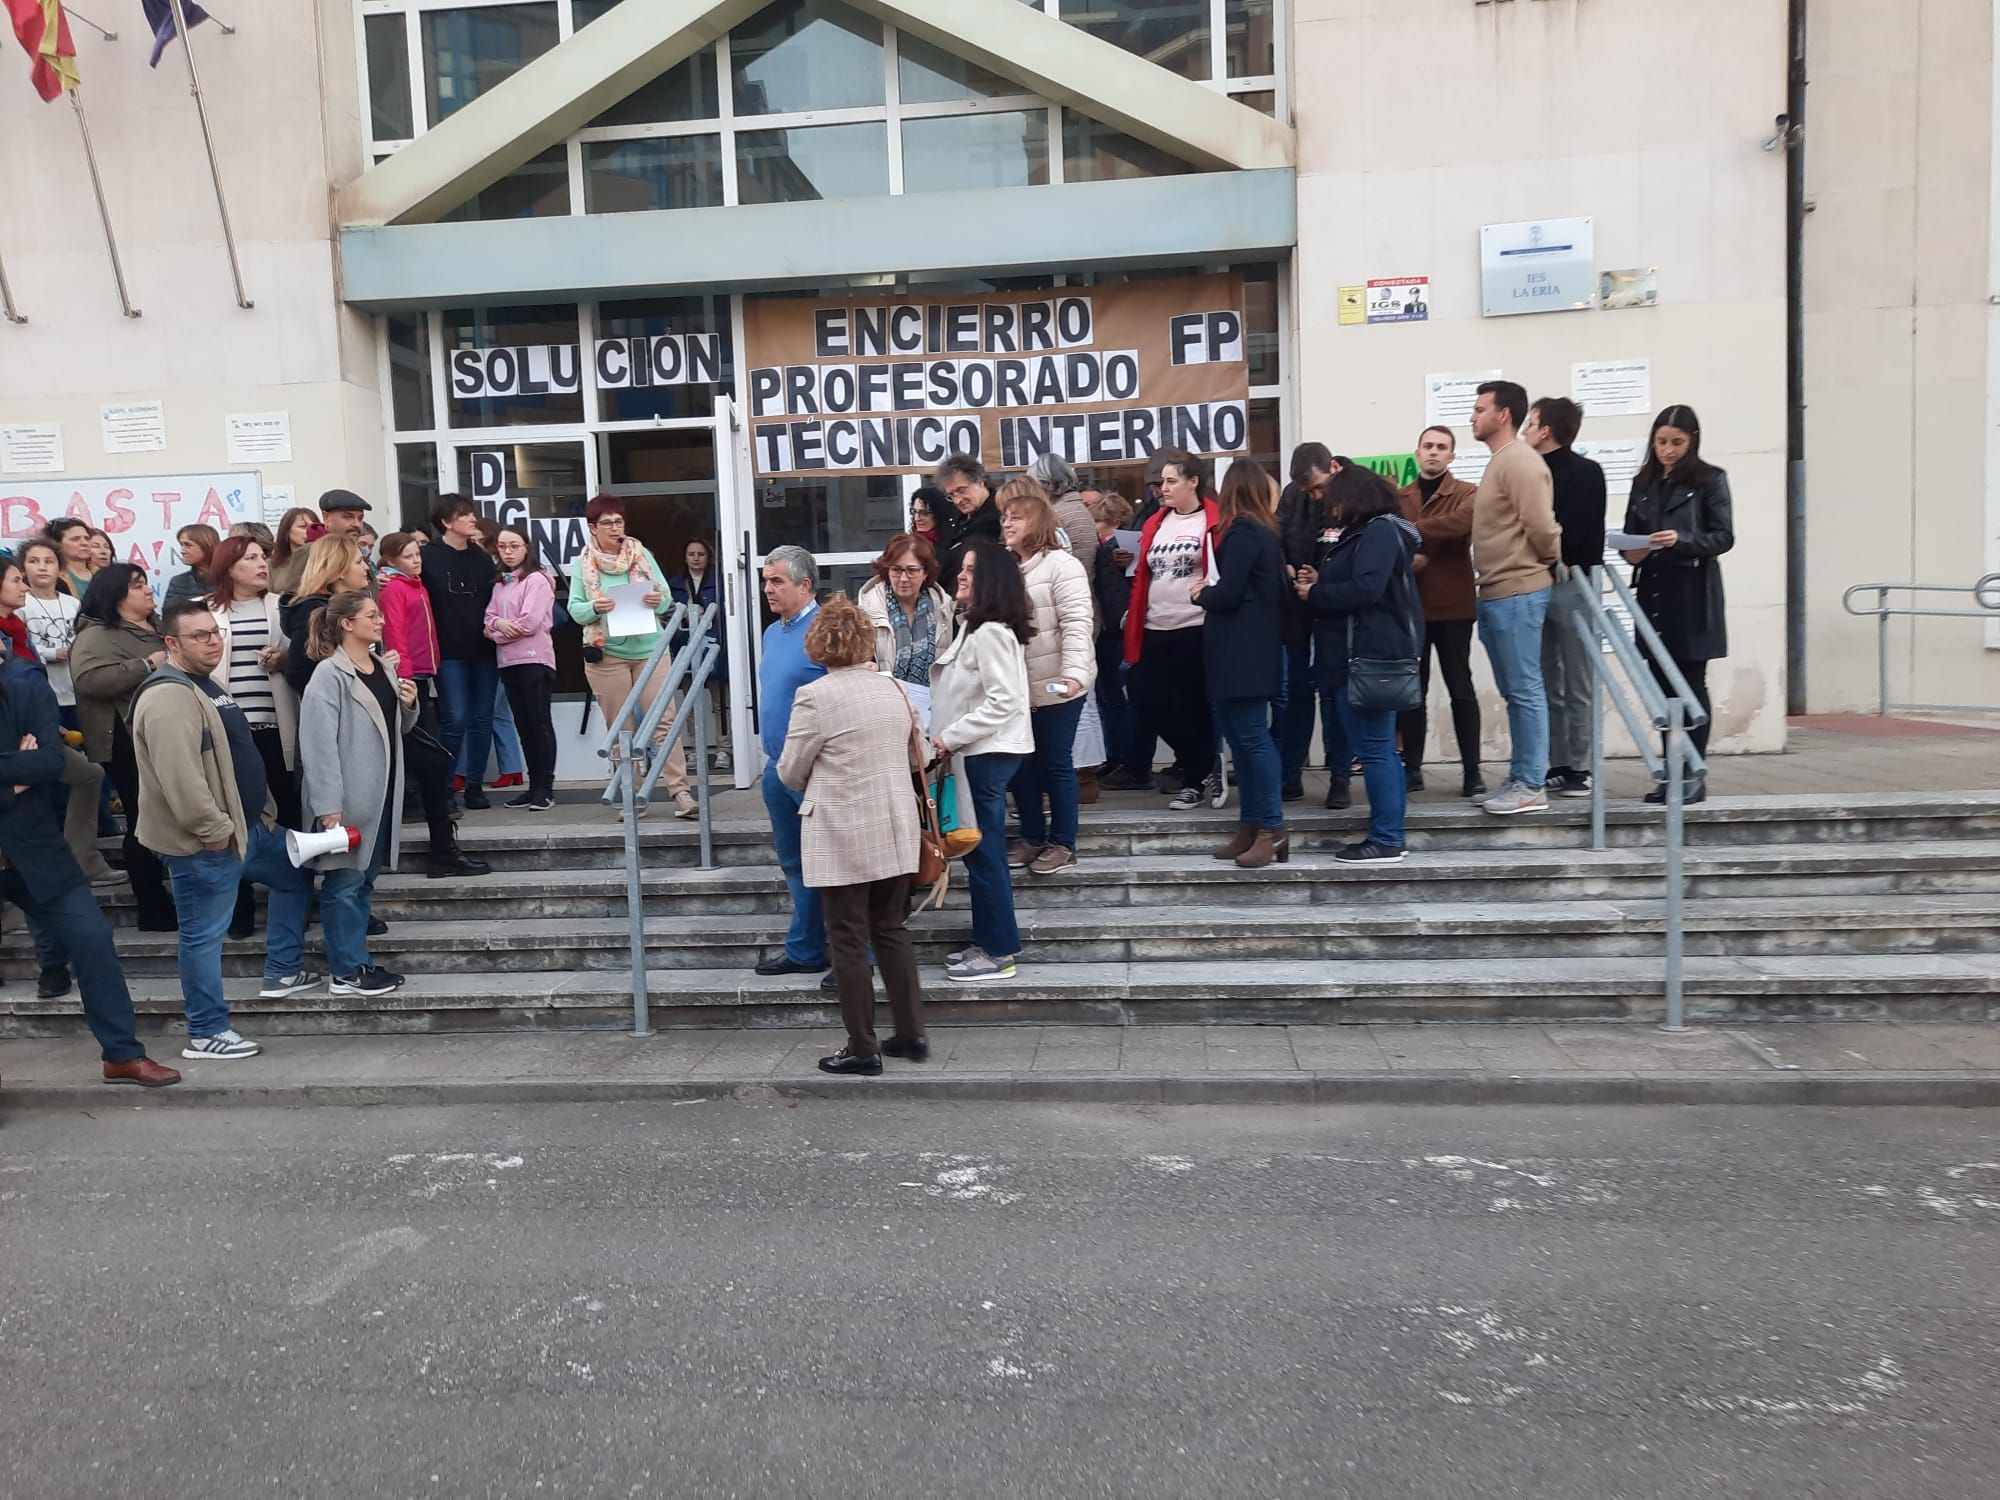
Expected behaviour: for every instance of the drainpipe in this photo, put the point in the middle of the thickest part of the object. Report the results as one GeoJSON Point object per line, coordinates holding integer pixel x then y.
{"type": "Point", "coordinates": [1796, 210]}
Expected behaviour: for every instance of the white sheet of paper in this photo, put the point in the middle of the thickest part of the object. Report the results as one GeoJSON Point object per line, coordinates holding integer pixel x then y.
{"type": "Point", "coordinates": [1626, 541]}
{"type": "Point", "coordinates": [31, 448]}
{"type": "Point", "coordinates": [630, 613]}
{"type": "Point", "coordinates": [920, 700]}
{"type": "Point", "coordinates": [259, 437]}
{"type": "Point", "coordinates": [1129, 540]}
{"type": "Point", "coordinates": [133, 426]}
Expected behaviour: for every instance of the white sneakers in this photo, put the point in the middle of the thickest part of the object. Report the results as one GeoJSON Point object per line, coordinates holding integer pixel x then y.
{"type": "Point", "coordinates": [224, 1044]}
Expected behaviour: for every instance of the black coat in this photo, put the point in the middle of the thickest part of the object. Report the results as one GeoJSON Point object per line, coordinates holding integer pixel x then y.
{"type": "Point", "coordinates": [1111, 589]}
{"type": "Point", "coordinates": [295, 619]}
{"type": "Point", "coordinates": [1578, 484]}
{"type": "Point", "coordinates": [31, 835]}
{"type": "Point", "coordinates": [1241, 643]}
{"type": "Point", "coordinates": [1367, 579]}
{"type": "Point", "coordinates": [1680, 589]}
{"type": "Point", "coordinates": [1301, 520]}
{"type": "Point", "coordinates": [460, 582]}
{"type": "Point", "coordinates": [957, 534]}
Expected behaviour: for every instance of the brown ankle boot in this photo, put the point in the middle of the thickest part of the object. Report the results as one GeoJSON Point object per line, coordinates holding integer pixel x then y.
{"type": "Point", "coordinates": [1086, 787]}
{"type": "Point", "coordinates": [1244, 837]}
{"type": "Point", "coordinates": [1269, 844]}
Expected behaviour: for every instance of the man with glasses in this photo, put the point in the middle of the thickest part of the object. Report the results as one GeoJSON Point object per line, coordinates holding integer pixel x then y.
{"type": "Point", "coordinates": [973, 516]}
{"type": "Point", "coordinates": [206, 808]}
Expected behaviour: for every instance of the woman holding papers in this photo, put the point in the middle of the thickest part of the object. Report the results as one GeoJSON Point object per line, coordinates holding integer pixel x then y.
{"type": "Point", "coordinates": [1062, 665]}
{"type": "Point", "coordinates": [1245, 656]}
{"type": "Point", "coordinates": [912, 616]}
{"type": "Point", "coordinates": [1681, 504]}
{"type": "Point", "coordinates": [615, 651]}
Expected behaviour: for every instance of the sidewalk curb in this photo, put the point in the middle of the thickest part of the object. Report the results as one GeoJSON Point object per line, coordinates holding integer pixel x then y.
{"type": "Point", "coordinates": [1953, 1089]}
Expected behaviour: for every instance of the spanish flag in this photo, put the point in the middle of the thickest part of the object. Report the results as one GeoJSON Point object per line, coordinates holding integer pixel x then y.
{"type": "Point", "coordinates": [44, 31]}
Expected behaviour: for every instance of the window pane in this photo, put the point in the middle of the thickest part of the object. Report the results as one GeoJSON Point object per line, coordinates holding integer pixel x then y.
{"type": "Point", "coordinates": [586, 11]}
{"type": "Point", "coordinates": [976, 151]}
{"type": "Point", "coordinates": [852, 513]}
{"type": "Point", "coordinates": [1247, 39]}
{"type": "Point", "coordinates": [513, 328]}
{"type": "Point", "coordinates": [1170, 33]}
{"type": "Point", "coordinates": [826, 161]}
{"type": "Point", "coordinates": [1266, 444]}
{"type": "Point", "coordinates": [410, 372]}
{"type": "Point", "coordinates": [1263, 101]}
{"type": "Point", "coordinates": [416, 485]}
{"type": "Point", "coordinates": [1260, 316]}
{"type": "Point", "coordinates": [806, 54]}
{"type": "Point", "coordinates": [467, 52]}
{"type": "Point", "coordinates": [670, 172]}
{"type": "Point", "coordinates": [538, 189]}
{"type": "Point", "coordinates": [686, 91]}
{"type": "Point", "coordinates": [388, 79]}
{"type": "Point", "coordinates": [650, 319]}
{"type": "Point", "coordinates": [927, 75]}
{"type": "Point", "coordinates": [1097, 153]}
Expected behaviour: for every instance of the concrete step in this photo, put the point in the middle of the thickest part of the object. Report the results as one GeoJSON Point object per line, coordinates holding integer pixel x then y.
{"type": "Point", "coordinates": [1962, 987]}
{"type": "Point", "coordinates": [586, 837]}
{"type": "Point", "coordinates": [1765, 926]}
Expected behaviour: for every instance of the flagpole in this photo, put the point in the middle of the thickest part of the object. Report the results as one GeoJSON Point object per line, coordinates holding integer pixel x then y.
{"type": "Point", "coordinates": [103, 213]}
{"type": "Point", "coordinates": [7, 297]}
{"type": "Point", "coordinates": [208, 139]}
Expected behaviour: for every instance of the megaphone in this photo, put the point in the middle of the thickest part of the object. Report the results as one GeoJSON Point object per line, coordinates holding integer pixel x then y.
{"type": "Point", "coordinates": [306, 847]}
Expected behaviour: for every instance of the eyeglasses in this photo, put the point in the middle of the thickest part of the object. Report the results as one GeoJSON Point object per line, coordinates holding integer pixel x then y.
{"type": "Point", "coordinates": [906, 572]}
{"type": "Point", "coordinates": [960, 491]}
{"type": "Point", "coordinates": [199, 637]}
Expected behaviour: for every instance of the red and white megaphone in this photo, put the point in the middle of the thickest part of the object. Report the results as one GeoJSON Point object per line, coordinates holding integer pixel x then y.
{"type": "Point", "coordinates": [306, 847]}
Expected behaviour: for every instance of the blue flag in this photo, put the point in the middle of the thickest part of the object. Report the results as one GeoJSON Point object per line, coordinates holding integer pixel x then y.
{"type": "Point", "coordinates": [160, 17]}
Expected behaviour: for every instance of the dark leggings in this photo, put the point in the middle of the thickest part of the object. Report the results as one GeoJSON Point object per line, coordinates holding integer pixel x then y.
{"type": "Point", "coordinates": [149, 876]}
{"type": "Point", "coordinates": [1696, 673]}
{"type": "Point", "coordinates": [530, 692]}
{"type": "Point", "coordinates": [1450, 641]}
{"type": "Point", "coordinates": [1170, 683]}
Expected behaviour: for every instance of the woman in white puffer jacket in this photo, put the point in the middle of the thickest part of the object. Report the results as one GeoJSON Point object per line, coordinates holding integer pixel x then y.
{"type": "Point", "coordinates": [1062, 667]}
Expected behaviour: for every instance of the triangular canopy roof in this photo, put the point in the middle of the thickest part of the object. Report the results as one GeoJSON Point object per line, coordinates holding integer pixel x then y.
{"type": "Point", "coordinates": [566, 88]}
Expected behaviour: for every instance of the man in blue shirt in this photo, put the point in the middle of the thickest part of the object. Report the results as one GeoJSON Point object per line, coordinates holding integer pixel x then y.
{"type": "Point", "coordinates": [791, 585]}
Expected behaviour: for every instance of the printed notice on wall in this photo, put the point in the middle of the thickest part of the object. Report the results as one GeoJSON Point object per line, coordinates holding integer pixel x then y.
{"type": "Point", "coordinates": [1399, 299]}
{"type": "Point", "coordinates": [1620, 462]}
{"type": "Point", "coordinates": [260, 437]}
{"type": "Point", "coordinates": [278, 498]}
{"type": "Point", "coordinates": [31, 448]}
{"type": "Point", "coordinates": [1448, 398]}
{"type": "Point", "coordinates": [1353, 305]}
{"type": "Point", "coordinates": [134, 427]}
{"type": "Point", "coordinates": [1613, 387]}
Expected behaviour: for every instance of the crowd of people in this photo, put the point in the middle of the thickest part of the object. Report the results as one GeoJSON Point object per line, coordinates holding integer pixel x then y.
{"type": "Point", "coordinates": [1032, 642]}
{"type": "Point", "coordinates": [319, 677]}
{"type": "Point", "coordinates": [1009, 612]}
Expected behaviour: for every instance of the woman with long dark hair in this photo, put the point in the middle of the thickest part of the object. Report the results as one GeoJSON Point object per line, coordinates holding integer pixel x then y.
{"type": "Point", "coordinates": [1163, 626]}
{"type": "Point", "coordinates": [698, 585]}
{"type": "Point", "coordinates": [1363, 597]}
{"type": "Point", "coordinates": [1681, 503]}
{"type": "Point", "coordinates": [297, 530]}
{"type": "Point", "coordinates": [979, 717]}
{"type": "Point", "coordinates": [1244, 649]}
{"type": "Point", "coordinates": [197, 544]}
{"type": "Point", "coordinates": [252, 670]}
{"type": "Point", "coordinates": [518, 620]}
{"type": "Point", "coordinates": [73, 545]}
{"type": "Point", "coordinates": [118, 645]}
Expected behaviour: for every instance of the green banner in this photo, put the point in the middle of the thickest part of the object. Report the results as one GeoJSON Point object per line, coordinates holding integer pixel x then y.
{"type": "Point", "coordinates": [1398, 468]}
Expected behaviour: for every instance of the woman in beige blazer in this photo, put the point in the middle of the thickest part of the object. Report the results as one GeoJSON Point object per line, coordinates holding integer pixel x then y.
{"type": "Point", "coordinates": [851, 745]}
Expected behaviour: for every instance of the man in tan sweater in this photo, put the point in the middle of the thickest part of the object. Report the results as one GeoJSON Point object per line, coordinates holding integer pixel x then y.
{"type": "Point", "coordinates": [1516, 544]}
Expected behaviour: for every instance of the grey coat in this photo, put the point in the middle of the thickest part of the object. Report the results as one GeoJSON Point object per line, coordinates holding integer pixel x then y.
{"type": "Point", "coordinates": [344, 758]}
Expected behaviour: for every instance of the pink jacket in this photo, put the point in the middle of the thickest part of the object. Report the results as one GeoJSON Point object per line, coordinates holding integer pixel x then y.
{"type": "Point", "coordinates": [407, 627]}
{"type": "Point", "coordinates": [527, 601]}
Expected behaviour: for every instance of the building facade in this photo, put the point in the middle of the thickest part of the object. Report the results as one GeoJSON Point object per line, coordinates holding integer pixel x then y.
{"type": "Point", "coordinates": [753, 265]}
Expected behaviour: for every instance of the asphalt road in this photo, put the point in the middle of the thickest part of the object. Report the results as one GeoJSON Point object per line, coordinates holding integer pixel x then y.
{"type": "Point", "coordinates": [874, 1299]}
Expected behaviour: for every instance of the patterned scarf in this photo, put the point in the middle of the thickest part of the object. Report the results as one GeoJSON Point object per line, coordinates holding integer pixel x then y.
{"type": "Point", "coordinates": [630, 560]}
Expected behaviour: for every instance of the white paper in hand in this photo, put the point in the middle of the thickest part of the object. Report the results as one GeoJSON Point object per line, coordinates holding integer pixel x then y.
{"type": "Point", "coordinates": [630, 613]}
{"type": "Point", "coordinates": [1628, 541]}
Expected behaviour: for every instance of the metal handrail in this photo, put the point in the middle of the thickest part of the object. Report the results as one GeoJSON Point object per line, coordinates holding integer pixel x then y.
{"type": "Point", "coordinates": [1596, 621]}
{"type": "Point", "coordinates": [637, 762]}
{"type": "Point", "coordinates": [1985, 594]}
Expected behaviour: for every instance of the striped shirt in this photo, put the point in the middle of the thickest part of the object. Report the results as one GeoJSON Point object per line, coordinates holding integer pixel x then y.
{"type": "Point", "coordinates": [249, 683]}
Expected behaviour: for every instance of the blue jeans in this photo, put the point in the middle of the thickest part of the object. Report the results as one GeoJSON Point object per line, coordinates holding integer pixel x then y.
{"type": "Point", "coordinates": [1372, 738]}
{"type": "Point", "coordinates": [1051, 769]}
{"type": "Point", "coordinates": [74, 925]}
{"type": "Point", "coordinates": [345, 899]}
{"type": "Point", "coordinates": [987, 778]}
{"type": "Point", "coordinates": [465, 708]}
{"type": "Point", "coordinates": [506, 742]}
{"type": "Point", "coordinates": [1512, 632]}
{"type": "Point", "coordinates": [1246, 724]}
{"type": "Point", "coordinates": [205, 896]}
{"type": "Point", "coordinates": [1301, 684]}
{"type": "Point", "coordinates": [805, 941]}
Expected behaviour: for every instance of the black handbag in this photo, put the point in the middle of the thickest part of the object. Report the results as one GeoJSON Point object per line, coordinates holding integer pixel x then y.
{"type": "Point", "coordinates": [1382, 685]}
